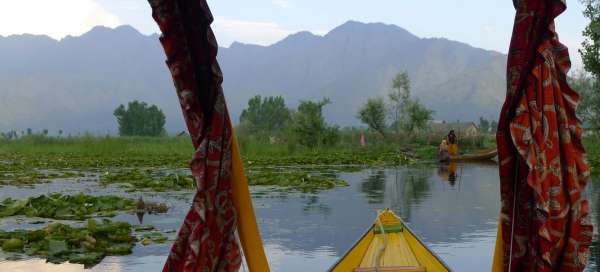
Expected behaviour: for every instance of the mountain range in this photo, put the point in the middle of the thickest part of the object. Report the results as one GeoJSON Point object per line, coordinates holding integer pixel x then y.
{"type": "Point", "coordinates": [75, 84]}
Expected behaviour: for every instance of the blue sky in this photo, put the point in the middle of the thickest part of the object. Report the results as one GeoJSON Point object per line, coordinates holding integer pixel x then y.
{"type": "Point", "coordinates": [481, 23]}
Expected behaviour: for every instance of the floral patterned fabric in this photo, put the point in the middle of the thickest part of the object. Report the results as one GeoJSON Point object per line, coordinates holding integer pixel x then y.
{"type": "Point", "coordinates": [543, 170]}
{"type": "Point", "coordinates": [206, 241]}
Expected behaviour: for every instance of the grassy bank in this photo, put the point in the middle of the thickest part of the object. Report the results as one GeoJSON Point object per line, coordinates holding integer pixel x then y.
{"type": "Point", "coordinates": [94, 152]}
{"type": "Point", "coordinates": [145, 163]}
{"type": "Point", "coordinates": [175, 152]}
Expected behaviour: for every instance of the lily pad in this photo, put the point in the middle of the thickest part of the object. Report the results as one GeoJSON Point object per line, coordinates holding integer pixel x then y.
{"type": "Point", "coordinates": [296, 180]}
{"type": "Point", "coordinates": [13, 245]}
{"type": "Point", "coordinates": [60, 243]}
{"type": "Point", "coordinates": [67, 207]}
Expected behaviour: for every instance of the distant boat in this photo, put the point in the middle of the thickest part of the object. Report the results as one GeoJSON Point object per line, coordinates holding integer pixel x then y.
{"type": "Point", "coordinates": [389, 245]}
{"type": "Point", "coordinates": [484, 155]}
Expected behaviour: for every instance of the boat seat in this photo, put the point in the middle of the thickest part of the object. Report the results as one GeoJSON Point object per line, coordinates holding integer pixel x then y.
{"type": "Point", "coordinates": [392, 269]}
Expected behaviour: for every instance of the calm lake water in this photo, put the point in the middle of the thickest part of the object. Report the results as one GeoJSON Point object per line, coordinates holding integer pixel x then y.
{"type": "Point", "coordinates": [308, 232]}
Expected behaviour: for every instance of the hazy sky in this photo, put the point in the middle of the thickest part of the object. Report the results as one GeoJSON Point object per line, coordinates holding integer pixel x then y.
{"type": "Point", "coordinates": [481, 23]}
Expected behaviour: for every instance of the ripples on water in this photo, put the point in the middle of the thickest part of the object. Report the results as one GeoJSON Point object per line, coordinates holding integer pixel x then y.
{"type": "Point", "coordinates": [455, 216]}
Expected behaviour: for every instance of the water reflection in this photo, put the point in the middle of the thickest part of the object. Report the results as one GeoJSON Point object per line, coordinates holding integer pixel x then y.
{"type": "Point", "coordinates": [39, 265]}
{"type": "Point", "coordinates": [312, 204]}
{"type": "Point", "coordinates": [373, 186]}
{"type": "Point", "coordinates": [410, 187]}
{"type": "Point", "coordinates": [308, 232]}
{"type": "Point", "coordinates": [594, 197]}
{"type": "Point", "coordinates": [451, 221]}
{"type": "Point", "coordinates": [447, 172]}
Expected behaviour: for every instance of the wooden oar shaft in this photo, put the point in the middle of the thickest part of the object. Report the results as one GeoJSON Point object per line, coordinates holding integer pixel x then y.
{"type": "Point", "coordinates": [246, 218]}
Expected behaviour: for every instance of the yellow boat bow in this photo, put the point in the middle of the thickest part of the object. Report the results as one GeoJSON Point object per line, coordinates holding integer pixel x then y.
{"type": "Point", "coordinates": [389, 245]}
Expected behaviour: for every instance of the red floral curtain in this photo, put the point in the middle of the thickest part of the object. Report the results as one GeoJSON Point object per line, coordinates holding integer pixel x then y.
{"type": "Point", "coordinates": [543, 170]}
{"type": "Point", "coordinates": [206, 241]}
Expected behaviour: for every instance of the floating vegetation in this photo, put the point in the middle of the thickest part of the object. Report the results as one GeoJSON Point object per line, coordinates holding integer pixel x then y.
{"type": "Point", "coordinates": [297, 180]}
{"type": "Point", "coordinates": [27, 177]}
{"type": "Point", "coordinates": [66, 207]}
{"type": "Point", "coordinates": [151, 235]}
{"type": "Point", "coordinates": [143, 228]}
{"type": "Point", "coordinates": [135, 180]}
{"type": "Point", "coordinates": [335, 158]}
{"type": "Point", "coordinates": [154, 208]}
{"type": "Point", "coordinates": [94, 153]}
{"type": "Point", "coordinates": [59, 243]}
{"type": "Point", "coordinates": [153, 238]}
{"type": "Point", "coordinates": [326, 170]}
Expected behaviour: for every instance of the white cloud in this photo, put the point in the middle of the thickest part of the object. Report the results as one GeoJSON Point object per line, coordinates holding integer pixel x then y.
{"type": "Point", "coordinates": [488, 29]}
{"type": "Point", "coordinates": [282, 3]}
{"type": "Point", "coordinates": [56, 18]}
{"type": "Point", "coordinates": [263, 33]}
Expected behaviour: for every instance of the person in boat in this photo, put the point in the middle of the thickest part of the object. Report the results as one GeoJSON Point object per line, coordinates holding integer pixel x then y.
{"type": "Point", "coordinates": [452, 143]}
{"type": "Point", "coordinates": [443, 154]}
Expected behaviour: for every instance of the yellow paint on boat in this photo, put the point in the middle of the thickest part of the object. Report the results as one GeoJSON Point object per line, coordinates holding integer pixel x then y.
{"type": "Point", "coordinates": [498, 262]}
{"type": "Point", "coordinates": [353, 258]}
{"type": "Point", "coordinates": [395, 248]}
{"type": "Point", "coordinates": [424, 255]}
{"type": "Point", "coordinates": [246, 219]}
{"type": "Point", "coordinates": [397, 252]}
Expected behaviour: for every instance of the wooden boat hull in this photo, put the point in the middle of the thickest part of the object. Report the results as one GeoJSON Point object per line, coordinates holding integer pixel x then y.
{"type": "Point", "coordinates": [403, 252]}
{"type": "Point", "coordinates": [481, 156]}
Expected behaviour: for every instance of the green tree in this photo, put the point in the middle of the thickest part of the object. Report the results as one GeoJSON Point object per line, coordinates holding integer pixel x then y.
{"type": "Point", "coordinates": [590, 51]}
{"type": "Point", "coordinates": [265, 114]}
{"type": "Point", "coordinates": [408, 114]}
{"type": "Point", "coordinates": [310, 126]}
{"type": "Point", "coordinates": [140, 119]}
{"type": "Point", "coordinates": [589, 87]}
{"type": "Point", "coordinates": [399, 98]}
{"type": "Point", "coordinates": [484, 125]}
{"type": "Point", "coordinates": [372, 113]}
{"type": "Point", "coordinates": [415, 116]}
{"type": "Point", "coordinates": [588, 109]}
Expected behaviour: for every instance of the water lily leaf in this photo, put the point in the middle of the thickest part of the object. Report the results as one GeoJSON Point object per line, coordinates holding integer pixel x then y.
{"type": "Point", "coordinates": [88, 259]}
{"type": "Point", "coordinates": [13, 245]}
{"type": "Point", "coordinates": [144, 228]}
{"type": "Point", "coordinates": [60, 242]}
{"type": "Point", "coordinates": [13, 208]}
{"type": "Point", "coordinates": [57, 247]}
{"type": "Point", "coordinates": [69, 207]}
{"type": "Point", "coordinates": [119, 249]}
